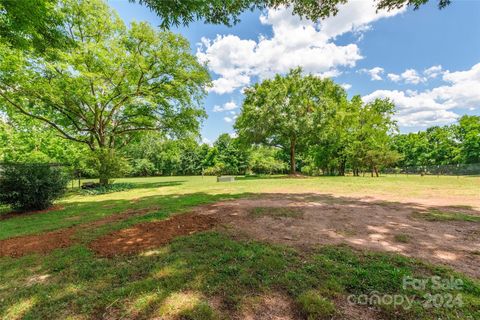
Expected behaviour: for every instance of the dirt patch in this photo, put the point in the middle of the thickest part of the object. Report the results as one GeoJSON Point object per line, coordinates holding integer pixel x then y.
{"type": "Point", "coordinates": [363, 224]}
{"type": "Point", "coordinates": [145, 236]}
{"type": "Point", "coordinates": [268, 307]}
{"type": "Point", "coordinates": [46, 242]}
{"type": "Point", "coordinates": [42, 243]}
{"type": "Point", "coordinates": [15, 214]}
{"type": "Point", "coordinates": [349, 311]}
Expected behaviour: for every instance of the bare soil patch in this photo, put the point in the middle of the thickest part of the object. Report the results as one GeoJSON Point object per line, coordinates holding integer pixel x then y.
{"type": "Point", "coordinates": [363, 224]}
{"type": "Point", "coordinates": [268, 307]}
{"type": "Point", "coordinates": [41, 243]}
{"type": "Point", "coordinates": [150, 235]}
{"type": "Point", "coordinates": [46, 242]}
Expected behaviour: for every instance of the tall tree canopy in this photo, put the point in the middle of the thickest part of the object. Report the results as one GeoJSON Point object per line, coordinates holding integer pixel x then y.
{"type": "Point", "coordinates": [31, 24]}
{"type": "Point", "coordinates": [227, 12]}
{"type": "Point", "coordinates": [286, 110]}
{"type": "Point", "coordinates": [37, 24]}
{"type": "Point", "coordinates": [111, 84]}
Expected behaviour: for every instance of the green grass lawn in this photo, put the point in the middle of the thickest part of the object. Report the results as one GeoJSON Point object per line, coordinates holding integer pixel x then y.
{"type": "Point", "coordinates": [182, 278]}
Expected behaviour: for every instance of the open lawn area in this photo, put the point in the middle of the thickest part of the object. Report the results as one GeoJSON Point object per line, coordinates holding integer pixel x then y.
{"type": "Point", "coordinates": [257, 248]}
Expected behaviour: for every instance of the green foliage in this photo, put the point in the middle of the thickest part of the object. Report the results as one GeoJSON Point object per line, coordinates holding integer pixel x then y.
{"type": "Point", "coordinates": [31, 186]}
{"type": "Point", "coordinates": [453, 144]}
{"type": "Point", "coordinates": [469, 135]}
{"type": "Point", "coordinates": [31, 24]}
{"type": "Point", "coordinates": [287, 110]}
{"type": "Point", "coordinates": [109, 165]}
{"type": "Point", "coordinates": [314, 306]}
{"type": "Point", "coordinates": [130, 80]}
{"type": "Point", "coordinates": [142, 168]}
{"type": "Point", "coordinates": [230, 156]}
{"type": "Point", "coordinates": [228, 11]}
{"type": "Point", "coordinates": [266, 160]}
{"type": "Point", "coordinates": [110, 188]}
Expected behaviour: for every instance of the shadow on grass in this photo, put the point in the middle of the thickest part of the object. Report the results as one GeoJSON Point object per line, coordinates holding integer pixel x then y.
{"type": "Point", "coordinates": [152, 185]}
{"type": "Point", "coordinates": [197, 269]}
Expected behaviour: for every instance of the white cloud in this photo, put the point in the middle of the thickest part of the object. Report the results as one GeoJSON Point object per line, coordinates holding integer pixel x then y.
{"type": "Point", "coordinates": [228, 119]}
{"type": "Point", "coordinates": [295, 42]}
{"type": "Point", "coordinates": [410, 76]}
{"type": "Point", "coordinates": [346, 86]}
{"type": "Point", "coordinates": [226, 107]}
{"type": "Point", "coordinates": [375, 73]}
{"type": "Point", "coordinates": [394, 77]}
{"type": "Point", "coordinates": [433, 71]}
{"type": "Point", "coordinates": [434, 106]}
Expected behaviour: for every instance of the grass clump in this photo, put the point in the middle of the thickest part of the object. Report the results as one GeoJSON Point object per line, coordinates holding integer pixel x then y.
{"type": "Point", "coordinates": [403, 238]}
{"type": "Point", "coordinates": [276, 212]}
{"type": "Point", "coordinates": [110, 188]}
{"type": "Point", "coordinates": [314, 306]}
{"type": "Point", "coordinates": [439, 215]}
{"type": "Point", "coordinates": [201, 311]}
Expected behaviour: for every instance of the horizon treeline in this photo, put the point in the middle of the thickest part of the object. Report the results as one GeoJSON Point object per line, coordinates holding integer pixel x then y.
{"type": "Point", "coordinates": [152, 154]}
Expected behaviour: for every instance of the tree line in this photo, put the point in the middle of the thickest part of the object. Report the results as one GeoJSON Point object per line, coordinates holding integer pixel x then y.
{"type": "Point", "coordinates": [152, 154]}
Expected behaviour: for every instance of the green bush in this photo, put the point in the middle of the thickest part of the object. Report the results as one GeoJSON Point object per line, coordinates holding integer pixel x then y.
{"type": "Point", "coordinates": [314, 306]}
{"type": "Point", "coordinates": [31, 186]}
{"type": "Point", "coordinates": [109, 188]}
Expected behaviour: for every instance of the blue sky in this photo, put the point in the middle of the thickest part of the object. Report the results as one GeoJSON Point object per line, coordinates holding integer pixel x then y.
{"type": "Point", "coordinates": [427, 61]}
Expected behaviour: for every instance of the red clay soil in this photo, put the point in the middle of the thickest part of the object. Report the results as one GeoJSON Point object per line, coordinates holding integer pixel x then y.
{"type": "Point", "coordinates": [46, 242]}
{"type": "Point", "coordinates": [41, 243]}
{"type": "Point", "coordinates": [150, 235]}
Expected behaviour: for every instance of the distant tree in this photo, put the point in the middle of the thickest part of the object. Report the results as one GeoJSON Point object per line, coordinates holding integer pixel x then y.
{"type": "Point", "coordinates": [458, 143]}
{"type": "Point", "coordinates": [286, 111]}
{"type": "Point", "coordinates": [112, 84]}
{"type": "Point", "coordinates": [329, 149]}
{"type": "Point", "coordinates": [469, 135]}
{"type": "Point", "coordinates": [231, 156]}
{"type": "Point", "coordinates": [228, 11]}
{"type": "Point", "coordinates": [371, 143]}
{"type": "Point", "coordinates": [265, 160]}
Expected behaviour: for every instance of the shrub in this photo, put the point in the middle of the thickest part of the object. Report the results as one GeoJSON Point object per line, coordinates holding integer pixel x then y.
{"type": "Point", "coordinates": [314, 306]}
{"type": "Point", "coordinates": [98, 189]}
{"type": "Point", "coordinates": [31, 186]}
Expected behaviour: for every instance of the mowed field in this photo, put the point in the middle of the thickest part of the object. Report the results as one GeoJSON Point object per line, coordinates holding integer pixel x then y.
{"type": "Point", "coordinates": [257, 248]}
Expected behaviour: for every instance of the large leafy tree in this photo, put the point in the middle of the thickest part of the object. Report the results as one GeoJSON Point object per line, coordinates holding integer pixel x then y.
{"type": "Point", "coordinates": [37, 24]}
{"type": "Point", "coordinates": [287, 110]}
{"type": "Point", "coordinates": [370, 145]}
{"type": "Point", "coordinates": [469, 135]}
{"type": "Point", "coordinates": [228, 11]}
{"type": "Point", "coordinates": [111, 84]}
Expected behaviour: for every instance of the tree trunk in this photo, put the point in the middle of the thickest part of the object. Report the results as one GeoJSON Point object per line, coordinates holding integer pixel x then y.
{"type": "Point", "coordinates": [106, 161]}
{"type": "Point", "coordinates": [292, 156]}
{"type": "Point", "coordinates": [341, 168]}
{"type": "Point", "coordinates": [376, 171]}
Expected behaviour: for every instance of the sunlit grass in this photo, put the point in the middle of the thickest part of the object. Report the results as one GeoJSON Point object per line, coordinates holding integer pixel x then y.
{"type": "Point", "coordinates": [182, 278]}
